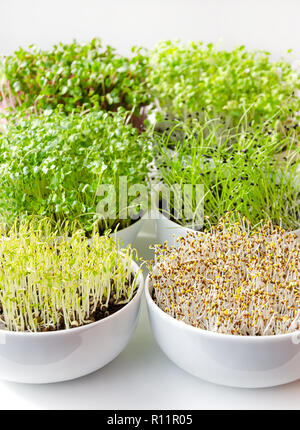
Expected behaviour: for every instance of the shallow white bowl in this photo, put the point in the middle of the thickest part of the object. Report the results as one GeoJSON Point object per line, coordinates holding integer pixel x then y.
{"type": "Point", "coordinates": [67, 354]}
{"type": "Point", "coordinates": [238, 361]}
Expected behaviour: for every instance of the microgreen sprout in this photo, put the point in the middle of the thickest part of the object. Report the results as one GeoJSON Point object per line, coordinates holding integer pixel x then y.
{"type": "Point", "coordinates": [75, 77]}
{"type": "Point", "coordinates": [241, 168]}
{"type": "Point", "coordinates": [52, 165]}
{"type": "Point", "coordinates": [194, 79]}
{"type": "Point", "coordinates": [50, 282]}
{"type": "Point", "coordinates": [234, 279]}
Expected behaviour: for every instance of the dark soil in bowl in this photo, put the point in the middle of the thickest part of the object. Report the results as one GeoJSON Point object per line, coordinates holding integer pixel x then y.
{"type": "Point", "coordinates": [101, 312]}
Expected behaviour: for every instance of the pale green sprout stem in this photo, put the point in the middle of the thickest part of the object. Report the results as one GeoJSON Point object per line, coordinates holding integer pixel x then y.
{"type": "Point", "coordinates": [50, 282]}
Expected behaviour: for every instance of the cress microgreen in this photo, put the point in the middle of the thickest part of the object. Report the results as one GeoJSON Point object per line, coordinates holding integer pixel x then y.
{"type": "Point", "coordinates": [52, 165]}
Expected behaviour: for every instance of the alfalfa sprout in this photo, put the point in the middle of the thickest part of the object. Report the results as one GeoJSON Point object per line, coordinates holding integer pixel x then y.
{"type": "Point", "coordinates": [233, 279]}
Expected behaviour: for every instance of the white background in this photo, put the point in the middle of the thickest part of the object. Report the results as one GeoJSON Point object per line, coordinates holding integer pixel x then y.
{"type": "Point", "coordinates": [260, 24]}
{"type": "Point", "coordinates": [142, 377]}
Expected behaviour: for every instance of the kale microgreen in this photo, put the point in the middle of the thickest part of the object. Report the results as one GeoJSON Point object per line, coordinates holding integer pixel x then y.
{"type": "Point", "coordinates": [75, 76]}
{"type": "Point", "coordinates": [52, 165]}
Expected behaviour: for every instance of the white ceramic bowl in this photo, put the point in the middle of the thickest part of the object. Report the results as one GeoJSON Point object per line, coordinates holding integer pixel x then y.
{"type": "Point", "coordinates": [169, 231]}
{"type": "Point", "coordinates": [139, 235]}
{"type": "Point", "coordinates": [238, 361]}
{"type": "Point", "coordinates": [128, 235]}
{"type": "Point", "coordinates": [68, 354]}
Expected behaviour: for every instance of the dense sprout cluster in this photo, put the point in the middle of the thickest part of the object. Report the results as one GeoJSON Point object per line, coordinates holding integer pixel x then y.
{"type": "Point", "coordinates": [50, 283]}
{"type": "Point", "coordinates": [53, 165]}
{"type": "Point", "coordinates": [74, 76]}
{"type": "Point", "coordinates": [189, 78]}
{"type": "Point", "coordinates": [233, 280]}
{"type": "Point", "coordinates": [241, 169]}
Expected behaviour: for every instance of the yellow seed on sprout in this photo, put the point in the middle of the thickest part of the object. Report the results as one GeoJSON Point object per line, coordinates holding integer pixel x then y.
{"type": "Point", "coordinates": [235, 279]}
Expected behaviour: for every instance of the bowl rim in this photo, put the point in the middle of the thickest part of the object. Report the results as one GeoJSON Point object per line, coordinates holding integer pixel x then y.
{"type": "Point", "coordinates": [115, 233]}
{"type": "Point", "coordinates": [182, 325]}
{"type": "Point", "coordinates": [174, 224]}
{"type": "Point", "coordinates": [140, 279]}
